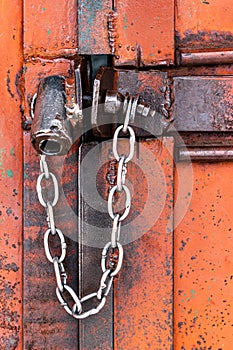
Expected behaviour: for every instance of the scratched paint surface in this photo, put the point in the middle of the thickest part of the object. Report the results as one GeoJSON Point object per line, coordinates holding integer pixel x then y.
{"type": "Point", "coordinates": [204, 24]}
{"type": "Point", "coordinates": [205, 102]}
{"type": "Point", "coordinates": [10, 178]}
{"type": "Point", "coordinates": [143, 304]}
{"type": "Point", "coordinates": [144, 32]}
{"type": "Point", "coordinates": [46, 324]}
{"type": "Point", "coordinates": [50, 28]}
{"type": "Point", "coordinates": [92, 27]}
{"type": "Point", "coordinates": [37, 70]}
{"type": "Point", "coordinates": [204, 262]}
{"type": "Point", "coordinates": [95, 332]}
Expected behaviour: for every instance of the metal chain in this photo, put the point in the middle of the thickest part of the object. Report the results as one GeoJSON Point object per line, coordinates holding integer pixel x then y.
{"type": "Point", "coordinates": [112, 254]}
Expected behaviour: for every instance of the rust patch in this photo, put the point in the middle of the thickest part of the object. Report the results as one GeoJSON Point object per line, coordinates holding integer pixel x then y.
{"type": "Point", "coordinates": [223, 101]}
{"type": "Point", "coordinates": [144, 292]}
{"type": "Point", "coordinates": [93, 31]}
{"type": "Point", "coordinates": [203, 262]}
{"type": "Point", "coordinates": [112, 173]}
{"type": "Point", "coordinates": [19, 84]}
{"type": "Point", "coordinates": [203, 103]}
{"type": "Point", "coordinates": [45, 323]}
{"type": "Point", "coordinates": [10, 319]}
{"type": "Point", "coordinates": [204, 40]}
{"type": "Point", "coordinates": [8, 83]}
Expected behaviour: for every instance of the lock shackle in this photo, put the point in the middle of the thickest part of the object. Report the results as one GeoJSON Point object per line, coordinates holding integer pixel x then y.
{"type": "Point", "coordinates": [51, 131]}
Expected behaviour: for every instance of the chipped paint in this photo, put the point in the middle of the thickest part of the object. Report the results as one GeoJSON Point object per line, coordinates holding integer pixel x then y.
{"type": "Point", "coordinates": [10, 163]}
{"type": "Point", "coordinates": [92, 24]}
{"type": "Point", "coordinates": [201, 27]}
{"type": "Point", "coordinates": [47, 18]}
{"type": "Point", "coordinates": [143, 302]}
{"type": "Point", "coordinates": [12, 151]}
{"type": "Point", "coordinates": [207, 105]}
{"type": "Point", "coordinates": [9, 173]}
{"type": "Point", "coordinates": [203, 262]}
{"type": "Point", "coordinates": [145, 34]}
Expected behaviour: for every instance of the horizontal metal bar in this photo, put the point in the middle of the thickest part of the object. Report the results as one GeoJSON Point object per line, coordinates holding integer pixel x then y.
{"type": "Point", "coordinates": [202, 58]}
{"type": "Point", "coordinates": [202, 103]}
{"type": "Point", "coordinates": [204, 154]}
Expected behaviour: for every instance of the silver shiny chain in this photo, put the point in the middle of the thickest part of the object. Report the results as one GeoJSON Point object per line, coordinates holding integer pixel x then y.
{"type": "Point", "coordinates": [112, 253]}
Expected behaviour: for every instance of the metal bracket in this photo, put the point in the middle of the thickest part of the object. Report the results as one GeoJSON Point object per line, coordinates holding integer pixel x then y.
{"type": "Point", "coordinates": [58, 111]}
{"type": "Point", "coordinates": [111, 107]}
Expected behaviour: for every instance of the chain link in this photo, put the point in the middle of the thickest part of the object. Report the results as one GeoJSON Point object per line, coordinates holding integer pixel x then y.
{"type": "Point", "coordinates": [112, 253]}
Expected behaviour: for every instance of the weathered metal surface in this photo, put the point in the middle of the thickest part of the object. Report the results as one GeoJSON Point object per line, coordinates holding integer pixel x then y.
{"type": "Point", "coordinates": [202, 58]}
{"type": "Point", "coordinates": [51, 131]}
{"type": "Point", "coordinates": [96, 332]}
{"type": "Point", "coordinates": [46, 325]}
{"type": "Point", "coordinates": [153, 89]}
{"type": "Point", "coordinates": [216, 147]}
{"type": "Point", "coordinates": [150, 91]}
{"type": "Point", "coordinates": [208, 154]}
{"type": "Point", "coordinates": [203, 103]}
{"type": "Point", "coordinates": [10, 177]}
{"type": "Point", "coordinates": [204, 25]}
{"type": "Point", "coordinates": [203, 250]}
{"type": "Point", "coordinates": [207, 70]}
{"type": "Point", "coordinates": [34, 72]}
{"type": "Point", "coordinates": [93, 27]}
{"type": "Point", "coordinates": [144, 33]}
{"type": "Point", "coordinates": [149, 320]}
{"type": "Point", "coordinates": [143, 304]}
{"type": "Point", "coordinates": [50, 29]}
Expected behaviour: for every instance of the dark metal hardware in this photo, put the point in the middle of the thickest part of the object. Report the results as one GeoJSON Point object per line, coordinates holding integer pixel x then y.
{"type": "Point", "coordinates": [58, 112]}
{"type": "Point", "coordinates": [203, 103]}
{"type": "Point", "coordinates": [51, 131]}
{"type": "Point", "coordinates": [111, 103]}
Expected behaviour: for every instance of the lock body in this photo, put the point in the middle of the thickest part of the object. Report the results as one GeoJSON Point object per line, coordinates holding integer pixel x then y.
{"type": "Point", "coordinates": [51, 131]}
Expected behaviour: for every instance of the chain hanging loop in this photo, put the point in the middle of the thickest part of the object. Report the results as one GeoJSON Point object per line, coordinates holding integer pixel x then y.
{"type": "Point", "coordinates": [127, 202]}
{"type": "Point", "coordinates": [131, 143]}
{"type": "Point", "coordinates": [46, 245]}
{"type": "Point", "coordinates": [112, 254]}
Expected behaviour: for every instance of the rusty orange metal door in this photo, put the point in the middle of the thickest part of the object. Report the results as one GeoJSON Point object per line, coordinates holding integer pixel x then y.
{"type": "Point", "coordinates": [175, 287]}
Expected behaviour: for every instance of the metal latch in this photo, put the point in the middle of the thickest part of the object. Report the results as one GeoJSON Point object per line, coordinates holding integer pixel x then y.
{"type": "Point", "coordinates": [57, 115]}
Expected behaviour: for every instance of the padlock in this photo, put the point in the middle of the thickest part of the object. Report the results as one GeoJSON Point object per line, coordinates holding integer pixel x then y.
{"type": "Point", "coordinates": [51, 131]}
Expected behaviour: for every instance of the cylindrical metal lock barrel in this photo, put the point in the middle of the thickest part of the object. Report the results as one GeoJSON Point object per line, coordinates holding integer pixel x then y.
{"type": "Point", "coordinates": [51, 131]}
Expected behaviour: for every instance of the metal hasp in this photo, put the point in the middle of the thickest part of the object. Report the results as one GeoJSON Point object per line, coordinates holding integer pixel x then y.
{"type": "Point", "coordinates": [139, 98]}
{"type": "Point", "coordinates": [51, 131]}
{"type": "Point", "coordinates": [118, 97]}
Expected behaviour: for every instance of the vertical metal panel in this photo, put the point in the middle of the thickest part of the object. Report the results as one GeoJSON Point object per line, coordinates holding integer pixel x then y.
{"type": "Point", "coordinates": [50, 28]}
{"type": "Point", "coordinates": [144, 32]}
{"type": "Point", "coordinates": [96, 332]}
{"type": "Point", "coordinates": [10, 176]}
{"type": "Point", "coordinates": [204, 25]}
{"type": "Point", "coordinates": [46, 324]}
{"type": "Point", "coordinates": [143, 317]}
{"type": "Point", "coordinates": [93, 27]}
{"type": "Point", "coordinates": [203, 261]}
